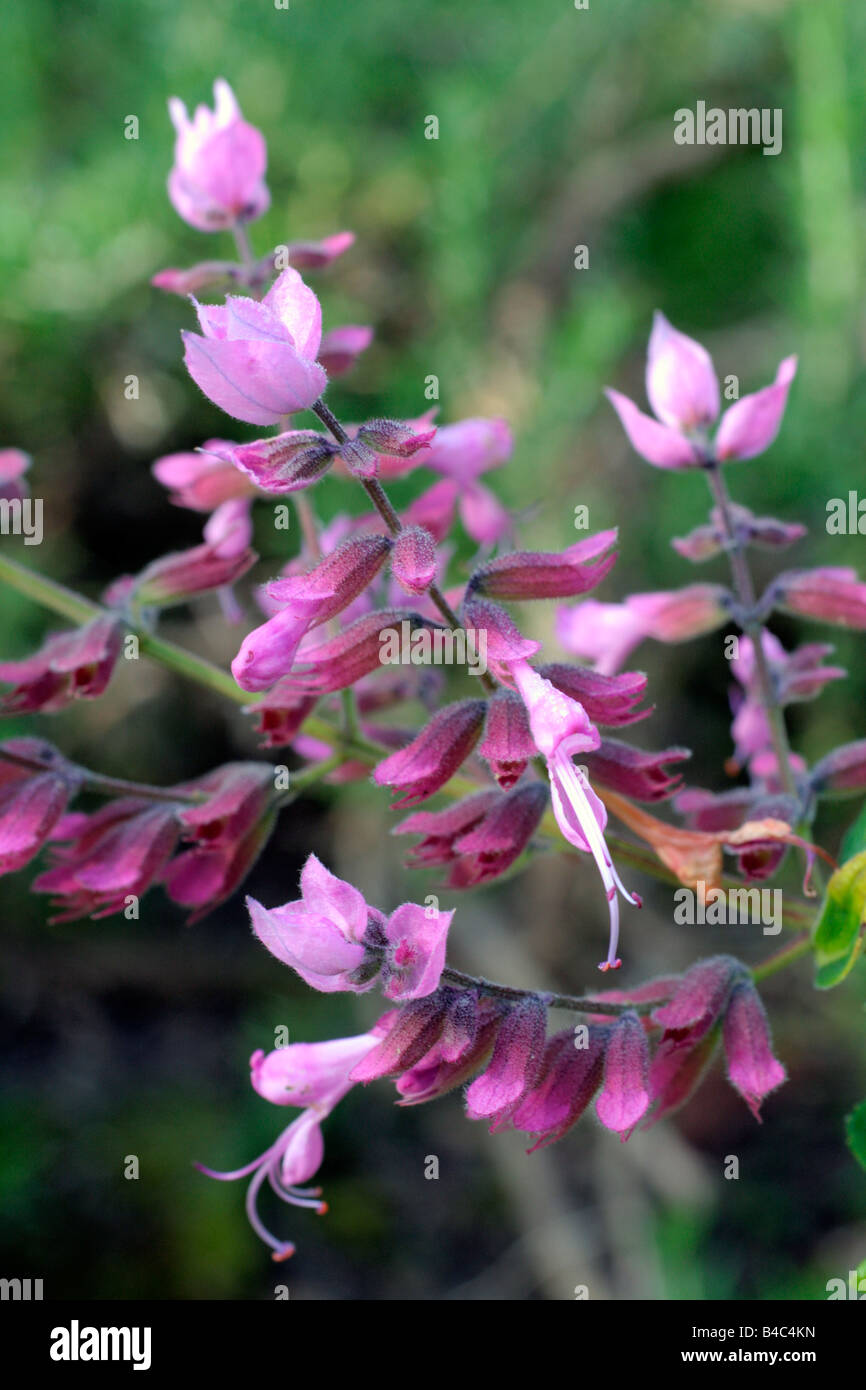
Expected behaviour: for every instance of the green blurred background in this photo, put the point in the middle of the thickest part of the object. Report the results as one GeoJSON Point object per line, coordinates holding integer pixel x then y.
{"type": "Point", "coordinates": [556, 129]}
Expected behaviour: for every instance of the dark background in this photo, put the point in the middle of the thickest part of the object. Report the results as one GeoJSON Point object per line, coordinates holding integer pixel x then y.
{"type": "Point", "coordinates": [556, 128]}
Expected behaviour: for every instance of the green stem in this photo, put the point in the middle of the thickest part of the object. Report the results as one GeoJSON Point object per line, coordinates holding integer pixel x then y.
{"type": "Point", "coordinates": [782, 959]}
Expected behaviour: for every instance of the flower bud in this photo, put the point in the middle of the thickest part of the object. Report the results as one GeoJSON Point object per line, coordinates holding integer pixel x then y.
{"type": "Point", "coordinates": [413, 562]}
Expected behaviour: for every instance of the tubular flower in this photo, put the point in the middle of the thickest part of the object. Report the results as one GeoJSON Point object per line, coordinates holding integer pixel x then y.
{"type": "Point", "coordinates": [561, 729]}
{"type": "Point", "coordinates": [310, 1075]}
{"type": "Point", "coordinates": [75, 665]}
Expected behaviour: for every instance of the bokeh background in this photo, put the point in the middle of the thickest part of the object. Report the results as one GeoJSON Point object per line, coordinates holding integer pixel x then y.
{"type": "Point", "coordinates": [556, 129]}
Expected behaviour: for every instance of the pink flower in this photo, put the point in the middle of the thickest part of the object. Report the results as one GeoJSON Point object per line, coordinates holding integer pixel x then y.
{"type": "Point", "coordinates": [34, 794]}
{"type": "Point", "coordinates": [842, 772]}
{"type": "Point", "coordinates": [285, 462]}
{"type": "Point", "coordinates": [633, 772]}
{"type": "Point", "coordinates": [110, 857]}
{"type": "Point", "coordinates": [561, 729]}
{"type": "Point", "coordinates": [414, 561]}
{"type": "Point", "coordinates": [606, 633]}
{"type": "Point", "coordinates": [226, 832]}
{"type": "Point", "coordinates": [608, 700]}
{"type": "Point", "coordinates": [683, 391]}
{"type": "Point", "coordinates": [624, 1095]}
{"type": "Point", "coordinates": [458, 1052]}
{"type": "Point", "coordinates": [315, 1075]}
{"type": "Point", "coordinates": [219, 164]}
{"type": "Point", "coordinates": [14, 463]}
{"type": "Point", "coordinates": [321, 935]}
{"type": "Point", "coordinates": [415, 954]}
{"type": "Point", "coordinates": [280, 715]}
{"type": "Point", "coordinates": [461, 452]}
{"type": "Point", "coordinates": [533, 575]}
{"type": "Point", "coordinates": [568, 1080]}
{"type": "Point", "coordinates": [831, 594]}
{"type": "Point", "coordinates": [268, 652]}
{"type": "Point", "coordinates": [204, 479]}
{"type": "Point", "coordinates": [508, 743]}
{"type": "Point", "coordinates": [710, 540]}
{"type": "Point", "coordinates": [752, 1068]}
{"type": "Point", "coordinates": [342, 660]}
{"type": "Point", "coordinates": [74, 665]}
{"type": "Point", "coordinates": [513, 1068]}
{"type": "Point", "coordinates": [432, 758]}
{"type": "Point", "coordinates": [257, 361]}
{"type": "Point", "coordinates": [341, 348]}
{"type": "Point", "coordinates": [479, 837]}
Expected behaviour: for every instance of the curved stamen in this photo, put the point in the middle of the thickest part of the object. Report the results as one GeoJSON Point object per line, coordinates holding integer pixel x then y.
{"type": "Point", "coordinates": [282, 1248]}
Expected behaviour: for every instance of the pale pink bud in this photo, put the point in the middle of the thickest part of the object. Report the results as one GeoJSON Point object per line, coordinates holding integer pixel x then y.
{"type": "Point", "coordinates": [681, 383]}
{"type": "Point", "coordinates": [219, 164]}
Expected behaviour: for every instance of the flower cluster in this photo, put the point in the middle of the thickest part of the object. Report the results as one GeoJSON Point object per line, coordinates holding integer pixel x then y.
{"type": "Point", "coordinates": [339, 654]}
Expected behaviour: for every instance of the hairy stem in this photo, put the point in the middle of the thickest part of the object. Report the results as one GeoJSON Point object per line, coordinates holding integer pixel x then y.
{"type": "Point", "coordinates": [575, 1003]}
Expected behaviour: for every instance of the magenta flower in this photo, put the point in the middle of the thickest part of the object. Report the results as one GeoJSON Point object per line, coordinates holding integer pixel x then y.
{"type": "Point", "coordinates": [534, 575]}
{"type": "Point", "coordinates": [513, 1068]}
{"type": "Point", "coordinates": [569, 1078]}
{"type": "Point", "coordinates": [633, 772]}
{"type": "Point", "coordinates": [109, 858]}
{"type": "Point", "coordinates": [14, 463]}
{"type": "Point", "coordinates": [433, 757]}
{"type": "Point", "coordinates": [606, 633]}
{"type": "Point", "coordinates": [217, 179]}
{"type": "Point", "coordinates": [74, 665]}
{"type": "Point", "coordinates": [341, 348]}
{"type": "Point", "coordinates": [508, 743]}
{"type": "Point", "coordinates": [841, 772]}
{"type": "Point", "coordinates": [608, 700]}
{"type": "Point", "coordinates": [561, 730]}
{"type": "Point", "coordinates": [257, 361]}
{"type": "Point", "coordinates": [752, 1068]}
{"type": "Point", "coordinates": [683, 391]}
{"type": "Point", "coordinates": [624, 1095]}
{"type": "Point", "coordinates": [226, 833]}
{"type": "Point", "coordinates": [481, 836]}
{"type": "Point", "coordinates": [280, 715]}
{"type": "Point", "coordinates": [406, 1036]}
{"type": "Point", "coordinates": [322, 934]}
{"type": "Point", "coordinates": [204, 479]}
{"type": "Point", "coordinates": [305, 601]}
{"type": "Point", "coordinates": [313, 1075]}
{"type": "Point", "coordinates": [34, 794]}
{"type": "Point", "coordinates": [457, 1054]}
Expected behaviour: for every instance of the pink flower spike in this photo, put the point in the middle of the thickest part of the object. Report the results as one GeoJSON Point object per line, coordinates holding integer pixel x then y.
{"type": "Point", "coordinates": [750, 425]}
{"type": "Point", "coordinates": [658, 444]}
{"type": "Point", "coordinates": [257, 361]}
{"type": "Point", "coordinates": [681, 382]}
{"type": "Point", "coordinates": [752, 1068]}
{"type": "Point", "coordinates": [433, 757]}
{"type": "Point", "coordinates": [514, 1066]}
{"type": "Point", "coordinates": [624, 1095]}
{"type": "Point", "coordinates": [341, 348]}
{"type": "Point", "coordinates": [414, 560]}
{"type": "Point", "coordinates": [219, 164]}
{"type": "Point", "coordinates": [415, 955]}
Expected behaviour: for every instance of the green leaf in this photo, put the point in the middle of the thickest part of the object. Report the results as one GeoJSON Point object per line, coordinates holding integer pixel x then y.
{"type": "Point", "coordinates": [855, 1130]}
{"type": "Point", "coordinates": [855, 837]}
{"type": "Point", "coordinates": [837, 939]}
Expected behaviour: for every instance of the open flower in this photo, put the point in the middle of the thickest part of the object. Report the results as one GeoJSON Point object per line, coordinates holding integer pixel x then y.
{"type": "Point", "coordinates": [683, 391]}
{"type": "Point", "coordinates": [562, 729]}
{"type": "Point", "coordinates": [257, 361]}
{"type": "Point", "coordinates": [217, 179]}
{"type": "Point", "coordinates": [312, 1075]}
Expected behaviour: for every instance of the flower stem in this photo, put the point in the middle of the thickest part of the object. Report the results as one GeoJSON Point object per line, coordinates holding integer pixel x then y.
{"type": "Point", "coordinates": [382, 503]}
{"type": "Point", "coordinates": [575, 1003]}
{"type": "Point", "coordinates": [746, 593]}
{"type": "Point", "coordinates": [782, 959]}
